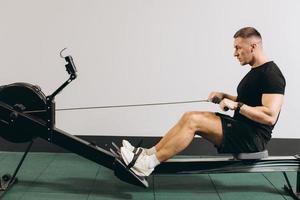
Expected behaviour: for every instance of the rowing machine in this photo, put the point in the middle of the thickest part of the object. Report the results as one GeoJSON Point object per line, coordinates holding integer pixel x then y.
{"type": "Point", "coordinates": [27, 113]}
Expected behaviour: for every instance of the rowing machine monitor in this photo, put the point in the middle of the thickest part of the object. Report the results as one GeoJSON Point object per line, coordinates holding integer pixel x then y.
{"type": "Point", "coordinates": [70, 67]}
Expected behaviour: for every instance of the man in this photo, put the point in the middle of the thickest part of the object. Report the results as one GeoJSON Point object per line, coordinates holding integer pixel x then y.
{"type": "Point", "coordinates": [256, 110]}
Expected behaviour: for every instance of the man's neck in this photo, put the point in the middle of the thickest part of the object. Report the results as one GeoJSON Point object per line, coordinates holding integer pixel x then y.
{"type": "Point", "coordinates": [259, 60]}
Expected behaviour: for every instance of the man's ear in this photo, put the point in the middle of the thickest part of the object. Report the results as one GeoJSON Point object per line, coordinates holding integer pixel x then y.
{"type": "Point", "coordinates": [253, 46]}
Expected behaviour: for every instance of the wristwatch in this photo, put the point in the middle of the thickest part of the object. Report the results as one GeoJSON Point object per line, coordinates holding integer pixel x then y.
{"type": "Point", "coordinates": [239, 105]}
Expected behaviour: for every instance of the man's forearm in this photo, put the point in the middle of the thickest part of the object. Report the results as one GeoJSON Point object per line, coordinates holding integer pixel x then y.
{"type": "Point", "coordinates": [259, 114]}
{"type": "Point", "coordinates": [228, 96]}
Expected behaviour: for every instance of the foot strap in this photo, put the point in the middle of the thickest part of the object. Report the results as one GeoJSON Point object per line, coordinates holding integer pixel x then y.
{"type": "Point", "coordinates": [135, 157]}
{"type": "Point", "coordinates": [135, 150]}
{"type": "Point", "coordinates": [138, 145]}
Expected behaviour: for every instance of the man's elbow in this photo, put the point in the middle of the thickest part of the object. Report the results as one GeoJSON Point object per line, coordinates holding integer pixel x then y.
{"type": "Point", "coordinates": [270, 117]}
{"type": "Point", "coordinates": [271, 121]}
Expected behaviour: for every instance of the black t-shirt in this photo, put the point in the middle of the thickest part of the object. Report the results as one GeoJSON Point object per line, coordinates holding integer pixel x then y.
{"type": "Point", "coordinates": [265, 79]}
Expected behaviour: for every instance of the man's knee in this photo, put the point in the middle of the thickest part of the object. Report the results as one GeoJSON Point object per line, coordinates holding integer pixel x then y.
{"type": "Point", "coordinates": [194, 120]}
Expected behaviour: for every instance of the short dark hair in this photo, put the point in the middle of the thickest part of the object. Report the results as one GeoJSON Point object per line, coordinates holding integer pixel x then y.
{"type": "Point", "coordinates": [247, 32]}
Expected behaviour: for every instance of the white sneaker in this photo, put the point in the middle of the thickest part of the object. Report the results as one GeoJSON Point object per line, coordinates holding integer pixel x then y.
{"type": "Point", "coordinates": [140, 167]}
{"type": "Point", "coordinates": [127, 145]}
{"type": "Point", "coordinates": [131, 148]}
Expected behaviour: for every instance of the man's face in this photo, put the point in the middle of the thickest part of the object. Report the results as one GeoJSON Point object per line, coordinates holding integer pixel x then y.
{"type": "Point", "coordinates": [243, 50]}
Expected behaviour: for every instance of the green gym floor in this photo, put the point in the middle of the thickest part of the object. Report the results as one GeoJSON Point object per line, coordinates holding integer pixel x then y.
{"type": "Point", "coordinates": [67, 176]}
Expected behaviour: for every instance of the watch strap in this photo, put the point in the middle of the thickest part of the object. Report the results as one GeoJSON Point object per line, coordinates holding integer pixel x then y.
{"type": "Point", "coordinates": [240, 104]}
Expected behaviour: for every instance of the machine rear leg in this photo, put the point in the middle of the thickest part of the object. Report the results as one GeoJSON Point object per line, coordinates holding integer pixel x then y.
{"type": "Point", "coordinates": [294, 192]}
{"type": "Point", "coordinates": [7, 180]}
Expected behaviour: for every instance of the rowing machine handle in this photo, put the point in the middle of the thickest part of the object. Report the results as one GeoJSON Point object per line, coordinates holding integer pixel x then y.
{"type": "Point", "coordinates": [217, 100]}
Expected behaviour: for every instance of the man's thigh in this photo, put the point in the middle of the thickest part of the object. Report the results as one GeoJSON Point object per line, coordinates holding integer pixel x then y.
{"type": "Point", "coordinates": [209, 126]}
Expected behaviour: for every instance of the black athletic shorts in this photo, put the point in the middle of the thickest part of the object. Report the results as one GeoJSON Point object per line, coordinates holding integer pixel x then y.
{"type": "Point", "coordinates": [239, 137]}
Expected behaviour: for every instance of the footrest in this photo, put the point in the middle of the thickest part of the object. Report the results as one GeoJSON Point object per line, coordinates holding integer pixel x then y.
{"type": "Point", "coordinates": [252, 156]}
{"type": "Point", "coordinates": [122, 171]}
{"type": "Point", "coordinates": [115, 150]}
{"type": "Point", "coordinates": [127, 175]}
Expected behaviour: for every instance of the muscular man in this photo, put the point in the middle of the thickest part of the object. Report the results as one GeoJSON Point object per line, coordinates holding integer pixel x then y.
{"type": "Point", "coordinates": [256, 110]}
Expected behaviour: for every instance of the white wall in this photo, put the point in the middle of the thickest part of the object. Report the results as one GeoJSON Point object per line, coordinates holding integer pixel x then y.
{"type": "Point", "coordinates": [144, 51]}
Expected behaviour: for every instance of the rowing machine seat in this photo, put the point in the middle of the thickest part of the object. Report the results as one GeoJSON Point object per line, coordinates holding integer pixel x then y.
{"type": "Point", "coordinates": [251, 156]}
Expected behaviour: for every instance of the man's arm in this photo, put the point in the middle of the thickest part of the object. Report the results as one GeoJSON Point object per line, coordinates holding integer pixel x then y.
{"type": "Point", "coordinates": [268, 112]}
{"type": "Point", "coordinates": [228, 96]}
{"type": "Point", "coordinates": [221, 96]}
{"type": "Point", "coordinates": [265, 114]}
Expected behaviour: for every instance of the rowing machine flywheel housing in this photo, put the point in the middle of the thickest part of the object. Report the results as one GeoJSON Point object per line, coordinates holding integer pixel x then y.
{"type": "Point", "coordinates": [23, 98]}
